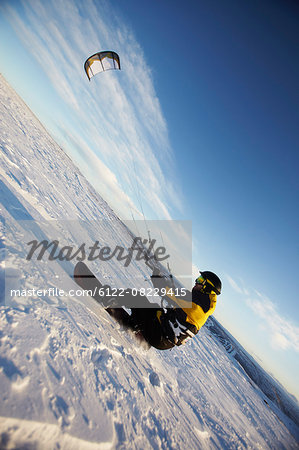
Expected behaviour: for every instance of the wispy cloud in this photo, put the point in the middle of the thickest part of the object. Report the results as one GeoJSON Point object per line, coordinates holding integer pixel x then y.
{"type": "Point", "coordinates": [117, 114]}
{"type": "Point", "coordinates": [236, 286]}
{"type": "Point", "coordinates": [102, 178]}
{"type": "Point", "coordinates": [283, 334]}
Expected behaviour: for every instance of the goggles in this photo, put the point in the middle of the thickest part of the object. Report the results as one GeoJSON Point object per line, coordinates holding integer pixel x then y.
{"type": "Point", "coordinates": [204, 282]}
{"type": "Point", "coordinates": [200, 280]}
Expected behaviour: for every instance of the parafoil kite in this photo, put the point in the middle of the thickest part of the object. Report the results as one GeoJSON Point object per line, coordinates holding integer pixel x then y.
{"type": "Point", "coordinates": [99, 62]}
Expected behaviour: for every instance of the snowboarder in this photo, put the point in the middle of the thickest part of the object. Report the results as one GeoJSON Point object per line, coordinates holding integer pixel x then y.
{"type": "Point", "coordinates": [164, 328]}
{"type": "Point", "coordinates": [161, 326]}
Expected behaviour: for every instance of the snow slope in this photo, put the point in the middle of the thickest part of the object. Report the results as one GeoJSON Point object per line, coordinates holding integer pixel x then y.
{"type": "Point", "coordinates": [70, 377]}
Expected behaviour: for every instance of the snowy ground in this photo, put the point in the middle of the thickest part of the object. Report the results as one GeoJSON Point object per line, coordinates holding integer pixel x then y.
{"type": "Point", "coordinates": [70, 377]}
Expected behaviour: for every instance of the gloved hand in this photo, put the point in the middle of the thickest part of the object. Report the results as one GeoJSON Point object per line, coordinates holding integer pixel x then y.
{"type": "Point", "coordinates": [173, 328]}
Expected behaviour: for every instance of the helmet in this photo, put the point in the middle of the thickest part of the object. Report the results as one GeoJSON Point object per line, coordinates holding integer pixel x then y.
{"type": "Point", "coordinates": [210, 282]}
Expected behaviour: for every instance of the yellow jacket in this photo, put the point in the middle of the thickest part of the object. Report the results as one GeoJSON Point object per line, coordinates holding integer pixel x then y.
{"type": "Point", "coordinates": [195, 312]}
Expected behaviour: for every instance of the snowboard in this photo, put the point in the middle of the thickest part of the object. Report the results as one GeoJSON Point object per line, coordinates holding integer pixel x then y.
{"type": "Point", "coordinates": [85, 278]}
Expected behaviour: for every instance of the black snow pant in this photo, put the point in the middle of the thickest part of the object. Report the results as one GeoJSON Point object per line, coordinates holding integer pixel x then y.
{"type": "Point", "coordinates": [146, 319]}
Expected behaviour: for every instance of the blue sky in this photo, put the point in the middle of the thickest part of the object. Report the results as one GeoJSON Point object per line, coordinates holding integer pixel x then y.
{"type": "Point", "coordinates": [201, 123]}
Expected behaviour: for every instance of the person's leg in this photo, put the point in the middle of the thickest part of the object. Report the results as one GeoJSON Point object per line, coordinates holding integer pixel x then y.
{"type": "Point", "coordinates": [150, 327]}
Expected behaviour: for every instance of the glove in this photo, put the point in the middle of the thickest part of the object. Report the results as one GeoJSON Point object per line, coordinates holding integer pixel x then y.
{"type": "Point", "coordinates": [173, 328]}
